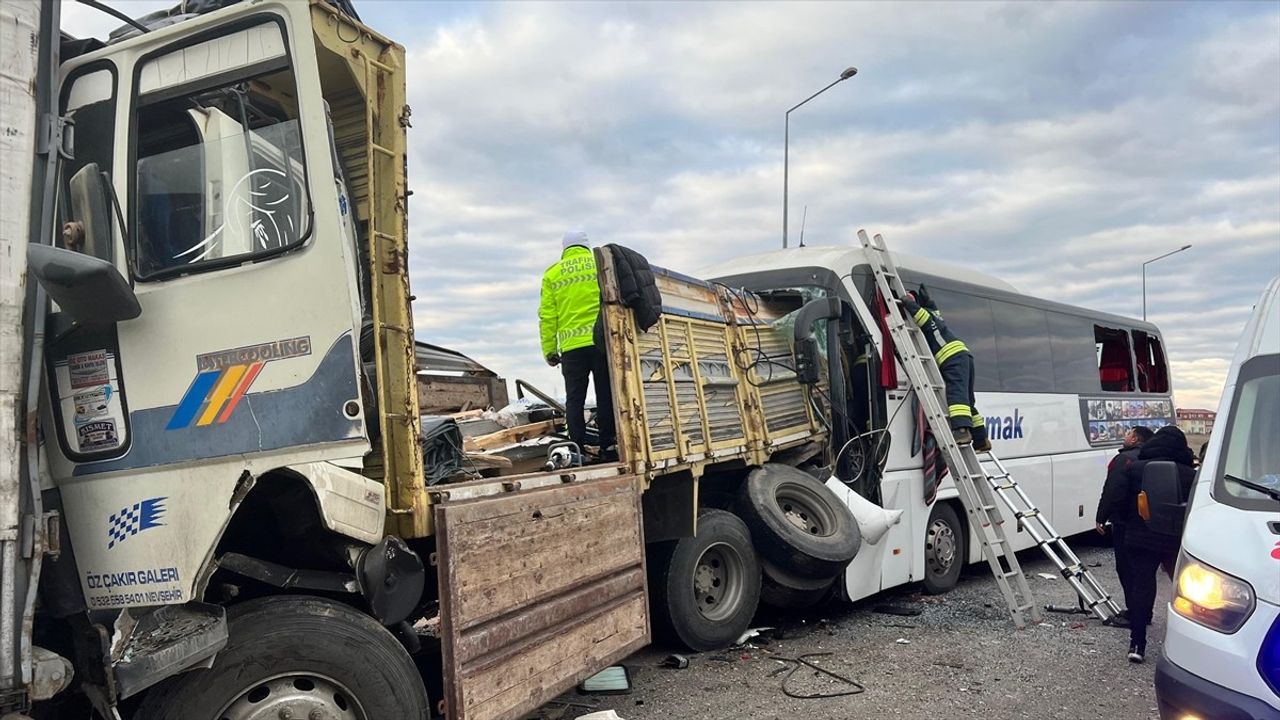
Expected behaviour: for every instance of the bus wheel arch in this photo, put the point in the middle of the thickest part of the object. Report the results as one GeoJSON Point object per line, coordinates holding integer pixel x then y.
{"type": "Point", "coordinates": [946, 547]}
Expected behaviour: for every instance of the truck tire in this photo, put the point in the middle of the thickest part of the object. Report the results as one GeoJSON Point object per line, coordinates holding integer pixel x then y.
{"type": "Point", "coordinates": [299, 656]}
{"type": "Point", "coordinates": [797, 523]}
{"type": "Point", "coordinates": [784, 591]}
{"type": "Point", "coordinates": [704, 590]}
{"type": "Point", "coordinates": [944, 549]}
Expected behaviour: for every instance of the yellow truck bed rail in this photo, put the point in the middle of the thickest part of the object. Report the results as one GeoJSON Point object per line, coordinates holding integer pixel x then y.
{"type": "Point", "coordinates": [712, 382]}
{"type": "Point", "coordinates": [363, 80]}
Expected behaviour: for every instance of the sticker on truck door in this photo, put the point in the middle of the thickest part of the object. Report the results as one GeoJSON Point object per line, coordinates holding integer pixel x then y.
{"type": "Point", "coordinates": [90, 404]}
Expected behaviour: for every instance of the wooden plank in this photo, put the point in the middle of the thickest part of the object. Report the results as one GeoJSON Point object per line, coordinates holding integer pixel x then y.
{"type": "Point", "coordinates": [509, 436]}
{"type": "Point", "coordinates": [539, 589]}
{"type": "Point", "coordinates": [483, 461]}
{"type": "Point", "coordinates": [557, 661]}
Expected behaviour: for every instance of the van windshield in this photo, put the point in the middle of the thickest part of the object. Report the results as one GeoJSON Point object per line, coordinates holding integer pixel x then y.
{"type": "Point", "coordinates": [1250, 451]}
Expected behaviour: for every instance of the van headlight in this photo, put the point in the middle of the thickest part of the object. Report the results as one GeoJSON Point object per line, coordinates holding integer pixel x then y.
{"type": "Point", "coordinates": [1210, 597]}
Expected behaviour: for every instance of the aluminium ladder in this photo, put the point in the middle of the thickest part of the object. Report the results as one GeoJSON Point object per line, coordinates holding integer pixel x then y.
{"type": "Point", "coordinates": [977, 487]}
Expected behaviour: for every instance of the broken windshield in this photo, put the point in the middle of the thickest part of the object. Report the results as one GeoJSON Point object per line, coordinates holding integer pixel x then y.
{"type": "Point", "coordinates": [220, 177]}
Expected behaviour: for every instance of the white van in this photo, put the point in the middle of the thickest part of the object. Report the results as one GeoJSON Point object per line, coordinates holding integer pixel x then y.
{"type": "Point", "coordinates": [1221, 655]}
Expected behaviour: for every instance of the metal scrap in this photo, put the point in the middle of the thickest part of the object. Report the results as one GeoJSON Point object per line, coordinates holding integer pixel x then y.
{"type": "Point", "coordinates": [854, 686]}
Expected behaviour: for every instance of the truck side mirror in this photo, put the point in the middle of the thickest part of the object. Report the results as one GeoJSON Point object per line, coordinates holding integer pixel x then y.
{"type": "Point", "coordinates": [1165, 499]}
{"type": "Point", "coordinates": [89, 289]}
{"type": "Point", "coordinates": [89, 206]}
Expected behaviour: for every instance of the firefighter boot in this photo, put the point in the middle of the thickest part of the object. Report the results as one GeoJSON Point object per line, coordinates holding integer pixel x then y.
{"type": "Point", "coordinates": [981, 442]}
{"type": "Point", "coordinates": [962, 435]}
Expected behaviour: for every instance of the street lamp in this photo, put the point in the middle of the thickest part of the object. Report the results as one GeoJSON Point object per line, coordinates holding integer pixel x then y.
{"type": "Point", "coordinates": [1144, 276]}
{"type": "Point", "coordinates": [786, 143]}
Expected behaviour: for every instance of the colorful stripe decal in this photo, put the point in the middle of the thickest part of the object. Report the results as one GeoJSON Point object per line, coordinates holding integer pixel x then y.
{"type": "Point", "coordinates": [192, 401]}
{"type": "Point", "coordinates": [241, 389]}
{"type": "Point", "coordinates": [221, 391]}
{"type": "Point", "coordinates": [214, 395]}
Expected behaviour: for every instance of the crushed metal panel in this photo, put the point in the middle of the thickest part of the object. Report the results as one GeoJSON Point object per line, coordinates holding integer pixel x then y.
{"type": "Point", "coordinates": [539, 589]}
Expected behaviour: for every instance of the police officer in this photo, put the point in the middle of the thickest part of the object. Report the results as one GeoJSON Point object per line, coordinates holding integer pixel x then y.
{"type": "Point", "coordinates": [956, 363]}
{"type": "Point", "coordinates": [567, 315]}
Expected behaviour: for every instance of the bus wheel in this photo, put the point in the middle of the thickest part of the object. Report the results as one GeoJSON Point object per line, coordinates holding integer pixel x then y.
{"type": "Point", "coordinates": [299, 657]}
{"type": "Point", "coordinates": [705, 589]}
{"type": "Point", "coordinates": [944, 549]}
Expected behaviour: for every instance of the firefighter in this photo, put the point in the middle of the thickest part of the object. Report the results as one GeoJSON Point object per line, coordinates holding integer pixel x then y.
{"type": "Point", "coordinates": [956, 364]}
{"type": "Point", "coordinates": [567, 316]}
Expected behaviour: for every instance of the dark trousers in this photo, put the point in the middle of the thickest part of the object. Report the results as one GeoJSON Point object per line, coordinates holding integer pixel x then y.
{"type": "Point", "coordinates": [1140, 591]}
{"type": "Point", "coordinates": [1122, 560]}
{"type": "Point", "coordinates": [957, 372]}
{"type": "Point", "coordinates": [577, 366]}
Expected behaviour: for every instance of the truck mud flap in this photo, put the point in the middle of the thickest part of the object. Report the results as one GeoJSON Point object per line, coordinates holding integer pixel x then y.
{"type": "Point", "coordinates": [540, 588]}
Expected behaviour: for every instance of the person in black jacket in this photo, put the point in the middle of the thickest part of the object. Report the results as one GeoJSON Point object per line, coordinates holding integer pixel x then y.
{"type": "Point", "coordinates": [1146, 550]}
{"type": "Point", "coordinates": [1111, 506]}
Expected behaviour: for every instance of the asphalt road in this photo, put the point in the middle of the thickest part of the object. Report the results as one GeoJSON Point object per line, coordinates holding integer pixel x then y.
{"type": "Point", "coordinates": [962, 658]}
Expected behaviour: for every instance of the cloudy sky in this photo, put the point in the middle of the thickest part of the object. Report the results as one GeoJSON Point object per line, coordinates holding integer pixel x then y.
{"type": "Point", "coordinates": [1055, 145]}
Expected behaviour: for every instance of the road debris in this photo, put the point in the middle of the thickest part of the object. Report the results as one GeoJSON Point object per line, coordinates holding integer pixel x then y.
{"type": "Point", "coordinates": [852, 687]}
{"type": "Point", "coordinates": [676, 662]}
{"type": "Point", "coordinates": [613, 680]}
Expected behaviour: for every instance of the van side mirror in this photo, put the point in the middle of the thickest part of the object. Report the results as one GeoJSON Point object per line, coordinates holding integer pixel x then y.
{"type": "Point", "coordinates": [1165, 498]}
{"type": "Point", "coordinates": [89, 289]}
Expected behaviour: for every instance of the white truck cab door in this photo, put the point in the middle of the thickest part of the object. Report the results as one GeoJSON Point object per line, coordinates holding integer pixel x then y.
{"type": "Point", "coordinates": [245, 355]}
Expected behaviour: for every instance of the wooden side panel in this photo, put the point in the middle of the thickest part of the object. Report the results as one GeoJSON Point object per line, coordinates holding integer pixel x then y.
{"type": "Point", "coordinates": [539, 589]}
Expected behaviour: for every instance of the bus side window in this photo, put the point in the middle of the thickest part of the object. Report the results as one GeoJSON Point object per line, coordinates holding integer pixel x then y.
{"type": "Point", "coordinates": [1075, 367]}
{"type": "Point", "coordinates": [1022, 335]}
{"type": "Point", "coordinates": [1115, 364]}
{"type": "Point", "coordinates": [1153, 374]}
{"type": "Point", "coordinates": [970, 318]}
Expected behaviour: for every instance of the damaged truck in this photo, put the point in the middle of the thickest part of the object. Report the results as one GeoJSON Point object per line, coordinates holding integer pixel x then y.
{"type": "Point", "coordinates": [214, 487]}
{"type": "Point", "coordinates": [213, 494]}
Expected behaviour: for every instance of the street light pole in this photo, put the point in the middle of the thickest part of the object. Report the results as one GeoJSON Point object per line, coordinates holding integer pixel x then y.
{"type": "Point", "coordinates": [1144, 276]}
{"type": "Point", "coordinates": [786, 143]}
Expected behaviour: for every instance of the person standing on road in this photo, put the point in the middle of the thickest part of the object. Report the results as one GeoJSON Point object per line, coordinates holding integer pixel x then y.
{"type": "Point", "coordinates": [955, 362]}
{"type": "Point", "coordinates": [1112, 504]}
{"type": "Point", "coordinates": [1145, 550]}
{"type": "Point", "coordinates": [567, 314]}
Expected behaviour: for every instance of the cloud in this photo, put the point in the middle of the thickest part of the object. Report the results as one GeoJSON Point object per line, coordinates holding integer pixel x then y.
{"type": "Point", "coordinates": [1058, 146]}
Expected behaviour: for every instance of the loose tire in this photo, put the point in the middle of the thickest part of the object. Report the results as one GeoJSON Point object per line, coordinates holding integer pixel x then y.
{"type": "Point", "coordinates": [797, 523]}
{"type": "Point", "coordinates": [705, 589]}
{"type": "Point", "coordinates": [784, 591]}
{"type": "Point", "coordinates": [944, 549]}
{"type": "Point", "coordinates": [310, 656]}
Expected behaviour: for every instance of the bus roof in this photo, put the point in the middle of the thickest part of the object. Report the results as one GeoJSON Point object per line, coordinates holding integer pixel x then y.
{"type": "Point", "coordinates": [840, 260]}
{"type": "Point", "coordinates": [844, 259]}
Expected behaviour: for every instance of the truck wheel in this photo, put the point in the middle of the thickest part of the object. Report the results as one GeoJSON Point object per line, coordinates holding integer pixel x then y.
{"type": "Point", "coordinates": [299, 657]}
{"type": "Point", "coordinates": [705, 589]}
{"type": "Point", "coordinates": [944, 549]}
{"type": "Point", "coordinates": [797, 523]}
{"type": "Point", "coordinates": [784, 591]}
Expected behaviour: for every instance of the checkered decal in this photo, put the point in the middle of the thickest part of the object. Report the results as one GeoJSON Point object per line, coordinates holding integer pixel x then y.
{"type": "Point", "coordinates": [134, 519]}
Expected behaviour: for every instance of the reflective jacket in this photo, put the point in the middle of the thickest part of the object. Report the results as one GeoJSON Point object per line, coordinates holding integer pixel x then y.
{"type": "Point", "coordinates": [570, 302]}
{"type": "Point", "coordinates": [942, 342]}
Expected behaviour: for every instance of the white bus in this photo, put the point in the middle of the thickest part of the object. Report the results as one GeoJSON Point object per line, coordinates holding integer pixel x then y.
{"type": "Point", "coordinates": [1058, 385]}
